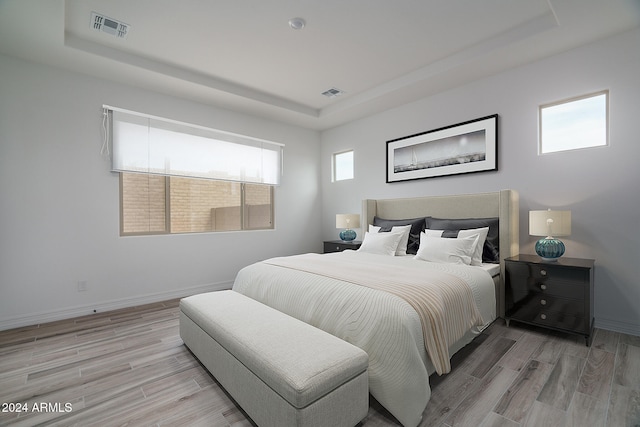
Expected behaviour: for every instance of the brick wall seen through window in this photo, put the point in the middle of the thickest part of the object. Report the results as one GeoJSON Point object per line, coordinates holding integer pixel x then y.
{"type": "Point", "coordinates": [152, 204]}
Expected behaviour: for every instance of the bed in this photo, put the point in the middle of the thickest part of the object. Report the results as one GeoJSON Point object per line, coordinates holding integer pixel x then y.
{"type": "Point", "coordinates": [371, 301]}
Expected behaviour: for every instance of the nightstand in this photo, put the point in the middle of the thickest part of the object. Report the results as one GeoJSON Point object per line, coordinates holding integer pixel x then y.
{"type": "Point", "coordinates": [556, 295]}
{"type": "Point", "coordinates": [340, 245]}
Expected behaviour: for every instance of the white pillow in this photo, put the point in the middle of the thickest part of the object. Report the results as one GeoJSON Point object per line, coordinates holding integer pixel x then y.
{"type": "Point", "coordinates": [446, 250]}
{"type": "Point", "coordinates": [404, 229]}
{"type": "Point", "coordinates": [476, 258]}
{"type": "Point", "coordinates": [380, 243]}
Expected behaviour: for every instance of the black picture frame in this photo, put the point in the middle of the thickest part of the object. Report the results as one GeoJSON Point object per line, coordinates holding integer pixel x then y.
{"type": "Point", "coordinates": [466, 147]}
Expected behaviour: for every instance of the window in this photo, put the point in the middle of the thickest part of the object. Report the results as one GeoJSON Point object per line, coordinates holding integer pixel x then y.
{"type": "Point", "coordinates": [154, 204]}
{"type": "Point", "coordinates": [143, 208]}
{"type": "Point", "coordinates": [581, 122]}
{"type": "Point", "coordinates": [181, 178]}
{"type": "Point", "coordinates": [343, 165]}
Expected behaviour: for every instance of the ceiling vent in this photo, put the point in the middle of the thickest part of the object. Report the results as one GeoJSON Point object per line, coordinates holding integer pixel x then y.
{"type": "Point", "coordinates": [110, 26]}
{"type": "Point", "coordinates": [332, 93]}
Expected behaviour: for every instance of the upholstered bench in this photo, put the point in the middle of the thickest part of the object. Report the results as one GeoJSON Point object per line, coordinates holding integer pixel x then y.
{"type": "Point", "coordinates": [280, 370]}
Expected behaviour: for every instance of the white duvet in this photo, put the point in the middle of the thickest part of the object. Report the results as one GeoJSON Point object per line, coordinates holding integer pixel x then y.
{"type": "Point", "coordinates": [382, 324]}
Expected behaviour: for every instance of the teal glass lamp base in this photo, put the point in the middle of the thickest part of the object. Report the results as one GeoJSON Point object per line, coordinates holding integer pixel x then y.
{"type": "Point", "coordinates": [347, 235]}
{"type": "Point", "coordinates": [549, 249]}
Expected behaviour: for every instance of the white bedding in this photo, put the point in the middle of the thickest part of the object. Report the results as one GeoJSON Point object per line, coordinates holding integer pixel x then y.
{"type": "Point", "coordinates": [382, 324]}
{"type": "Point", "coordinates": [492, 269]}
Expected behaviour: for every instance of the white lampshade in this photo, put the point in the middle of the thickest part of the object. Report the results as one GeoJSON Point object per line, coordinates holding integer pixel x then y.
{"type": "Point", "coordinates": [347, 220]}
{"type": "Point", "coordinates": [550, 223]}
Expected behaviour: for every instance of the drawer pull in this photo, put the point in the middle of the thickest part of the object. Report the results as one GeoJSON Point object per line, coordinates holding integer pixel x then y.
{"type": "Point", "coordinates": [543, 287]}
{"type": "Point", "coordinates": [543, 272]}
{"type": "Point", "coordinates": [543, 301]}
{"type": "Point", "coordinates": [543, 316]}
{"type": "Point", "coordinates": [337, 248]}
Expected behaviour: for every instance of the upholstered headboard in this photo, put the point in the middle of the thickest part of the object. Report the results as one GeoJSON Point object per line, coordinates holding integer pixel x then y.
{"type": "Point", "coordinates": [503, 204]}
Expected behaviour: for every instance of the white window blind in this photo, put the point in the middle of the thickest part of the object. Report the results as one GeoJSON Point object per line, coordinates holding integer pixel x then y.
{"type": "Point", "coordinates": [154, 145]}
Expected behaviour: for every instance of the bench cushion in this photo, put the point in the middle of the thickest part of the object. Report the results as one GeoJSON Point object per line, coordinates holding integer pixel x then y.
{"type": "Point", "coordinates": [298, 361]}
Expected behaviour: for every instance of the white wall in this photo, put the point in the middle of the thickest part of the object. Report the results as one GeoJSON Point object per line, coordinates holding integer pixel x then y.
{"type": "Point", "coordinates": [599, 185]}
{"type": "Point", "coordinates": [59, 214]}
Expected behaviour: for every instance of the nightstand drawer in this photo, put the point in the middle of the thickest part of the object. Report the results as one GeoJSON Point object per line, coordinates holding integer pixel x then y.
{"type": "Point", "coordinates": [544, 273]}
{"type": "Point", "coordinates": [565, 321]}
{"type": "Point", "coordinates": [567, 290]}
{"type": "Point", "coordinates": [542, 302]}
{"type": "Point", "coordinates": [339, 245]}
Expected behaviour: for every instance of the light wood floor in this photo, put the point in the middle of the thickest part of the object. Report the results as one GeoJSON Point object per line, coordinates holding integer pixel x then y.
{"type": "Point", "coordinates": [130, 367]}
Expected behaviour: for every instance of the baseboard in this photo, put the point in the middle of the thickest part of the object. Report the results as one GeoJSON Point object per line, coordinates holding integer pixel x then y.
{"type": "Point", "coordinates": [52, 316]}
{"type": "Point", "coordinates": [617, 326]}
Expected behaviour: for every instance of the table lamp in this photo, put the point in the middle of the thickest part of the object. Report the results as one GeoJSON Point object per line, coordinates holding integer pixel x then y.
{"type": "Point", "coordinates": [347, 221]}
{"type": "Point", "coordinates": [550, 224]}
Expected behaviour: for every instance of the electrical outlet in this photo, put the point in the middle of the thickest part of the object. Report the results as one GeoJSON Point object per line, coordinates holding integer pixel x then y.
{"type": "Point", "coordinates": [82, 285]}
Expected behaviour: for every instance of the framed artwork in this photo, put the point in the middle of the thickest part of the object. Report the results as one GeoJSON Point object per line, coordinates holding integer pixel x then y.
{"type": "Point", "coordinates": [461, 148]}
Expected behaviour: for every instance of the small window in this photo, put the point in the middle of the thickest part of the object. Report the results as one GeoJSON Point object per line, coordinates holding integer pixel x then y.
{"type": "Point", "coordinates": [343, 165]}
{"type": "Point", "coordinates": [581, 122]}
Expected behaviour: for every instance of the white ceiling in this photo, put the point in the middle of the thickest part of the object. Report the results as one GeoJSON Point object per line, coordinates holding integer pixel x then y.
{"type": "Point", "coordinates": [242, 54]}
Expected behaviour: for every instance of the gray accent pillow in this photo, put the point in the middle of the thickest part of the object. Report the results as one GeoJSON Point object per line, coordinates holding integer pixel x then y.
{"type": "Point", "coordinates": [417, 226]}
{"type": "Point", "coordinates": [491, 249]}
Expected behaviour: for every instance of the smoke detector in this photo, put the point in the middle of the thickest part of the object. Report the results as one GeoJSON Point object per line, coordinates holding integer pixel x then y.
{"type": "Point", "coordinates": [110, 26]}
{"type": "Point", "coordinates": [297, 23]}
{"type": "Point", "coordinates": [332, 93]}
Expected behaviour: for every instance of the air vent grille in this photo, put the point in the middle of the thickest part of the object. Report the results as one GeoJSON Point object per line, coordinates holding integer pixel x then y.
{"type": "Point", "coordinates": [332, 93]}
{"type": "Point", "coordinates": [107, 25]}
